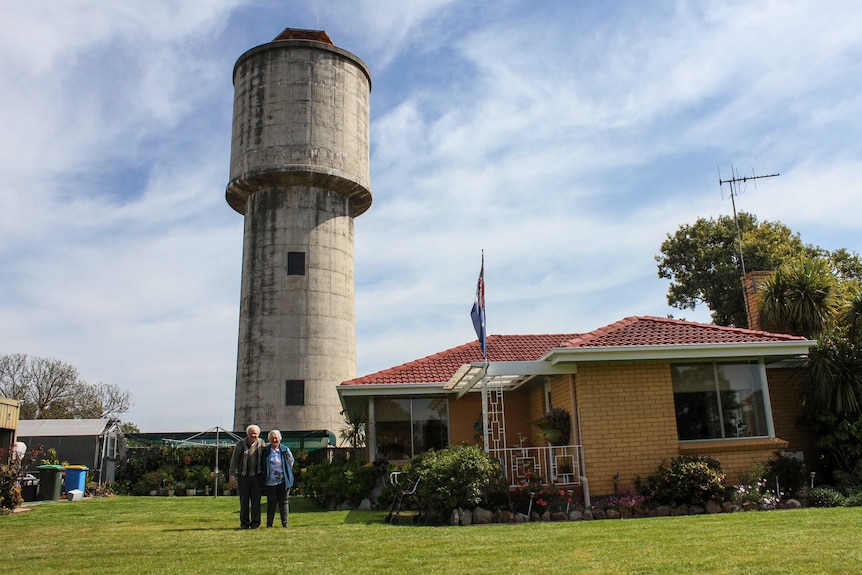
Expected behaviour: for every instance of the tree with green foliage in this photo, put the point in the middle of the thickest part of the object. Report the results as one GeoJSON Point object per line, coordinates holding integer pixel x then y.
{"type": "Point", "coordinates": [702, 261]}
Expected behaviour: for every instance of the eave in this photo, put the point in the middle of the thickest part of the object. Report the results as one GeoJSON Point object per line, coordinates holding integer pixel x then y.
{"type": "Point", "coordinates": [511, 375]}
{"type": "Point", "coordinates": [685, 352]}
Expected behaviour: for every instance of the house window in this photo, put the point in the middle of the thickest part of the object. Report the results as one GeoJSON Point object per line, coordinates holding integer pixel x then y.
{"type": "Point", "coordinates": [296, 263]}
{"type": "Point", "coordinates": [294, 392]}
{"type": "Point", "coordinates": [719, 400]}
{"type": "Point", "coordinates": [406, 427]}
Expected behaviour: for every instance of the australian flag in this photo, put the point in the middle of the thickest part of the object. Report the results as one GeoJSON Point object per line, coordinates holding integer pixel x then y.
{"type": "Point", "coordinates": [478, 311]}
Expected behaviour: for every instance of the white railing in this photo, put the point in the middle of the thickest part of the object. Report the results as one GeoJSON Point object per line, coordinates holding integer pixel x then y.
{"type": "Point", "coordinates": [558, 464]}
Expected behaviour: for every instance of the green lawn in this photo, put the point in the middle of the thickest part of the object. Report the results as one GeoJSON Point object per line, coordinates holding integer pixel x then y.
{"type": "Point", "coordinates": [199, 535]}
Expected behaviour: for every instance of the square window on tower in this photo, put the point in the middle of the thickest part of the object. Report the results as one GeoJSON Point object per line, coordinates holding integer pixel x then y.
{"type": "Point", "coordinates": [294, 392]}
{"type": "Point", "coordinates": [296, 263]}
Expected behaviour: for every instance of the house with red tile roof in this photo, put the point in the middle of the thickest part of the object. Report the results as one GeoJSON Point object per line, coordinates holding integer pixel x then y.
{"type": "Point", "coordinates": [638, 391]}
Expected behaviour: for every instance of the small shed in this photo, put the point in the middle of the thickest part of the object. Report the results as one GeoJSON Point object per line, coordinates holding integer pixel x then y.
{"type": "Point", "coordinates": [9, 409]}
{"type": "Point", "coordinates": [96, 443]}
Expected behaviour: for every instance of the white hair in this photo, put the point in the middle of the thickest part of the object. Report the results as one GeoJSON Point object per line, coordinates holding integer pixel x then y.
{"type": "Point", "coordinates": [252, 426]}
{"type": "Point", "coordinates": [274, 433]}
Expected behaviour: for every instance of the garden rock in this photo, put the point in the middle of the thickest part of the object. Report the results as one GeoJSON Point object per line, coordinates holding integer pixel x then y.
{"type": "Point", "coordinates": [455, 518]}
{"type": "Point", "coordinates": [588, 515]}
{"type": "Point", "coordinates": [612, 514]}
{"type": "Point", "coordinates": [521, 518]}
{"type": "Point", "coordinates": [466, 517]}
{"type": "Point", "coordinates": [697, 510]}
{"type": "Point", "coordinates": [792, 504]}
{"type": "Point", "coordinates": [727, 507]}
{"type": "Point", "coordinates": [660, 511]}
{"type": "Point", "coordinates": [576, 515]}
{"type": "Point", "coordinates": [365, 505]}
{"type": "Point", "coordinates": [599, 514]}
{"type": "Point", "coordinates": [346, 505]}
{"type": "Point", "coordinates": [559, 516]}
{"type": "Point", "coordinates": [712, 506]}
{"type": "Point", "coordinates": [507, 517]}
{"type": "Point", "coordinates": [482, 516]}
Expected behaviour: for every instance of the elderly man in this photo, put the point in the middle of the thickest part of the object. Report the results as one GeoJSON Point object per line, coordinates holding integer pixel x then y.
{"type": "Point", "coordinates": [245, 472]}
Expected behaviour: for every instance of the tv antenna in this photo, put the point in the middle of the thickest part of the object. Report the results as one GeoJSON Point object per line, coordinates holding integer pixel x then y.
{"type": "Point", "coordinates": [734, 183]}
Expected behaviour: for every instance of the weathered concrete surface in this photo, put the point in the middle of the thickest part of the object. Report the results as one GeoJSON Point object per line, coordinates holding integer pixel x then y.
{"type": "Point", "coordinates": [299, 174]}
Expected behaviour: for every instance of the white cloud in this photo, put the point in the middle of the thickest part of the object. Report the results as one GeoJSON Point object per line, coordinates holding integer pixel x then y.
{"type": "Point", "coordinates": [565, 140]}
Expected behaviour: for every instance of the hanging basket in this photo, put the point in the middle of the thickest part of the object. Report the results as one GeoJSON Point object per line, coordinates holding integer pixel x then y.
{"type": "Point", "coordinates": [556, 426]}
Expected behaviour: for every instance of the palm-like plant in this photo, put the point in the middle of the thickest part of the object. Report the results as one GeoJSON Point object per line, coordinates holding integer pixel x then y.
{"type": "Point", "coordinates": [800, 298]}
{"type": "Point", "coordinates": [834, 377]}
{"type": "Point", "coordinates": [851, 314]}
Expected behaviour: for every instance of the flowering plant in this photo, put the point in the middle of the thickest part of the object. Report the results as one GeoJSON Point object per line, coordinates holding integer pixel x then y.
{"type": "Point", "coordinates": [626, 499]}
{"type": "Point", "coordinates": [543, 495]}
{"type": "Point", "coordinates": [755, 492]}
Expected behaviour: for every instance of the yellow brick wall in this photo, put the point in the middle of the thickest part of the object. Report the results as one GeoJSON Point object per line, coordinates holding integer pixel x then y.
{"type": "Point", "coordinates": [463, 416]}
{"type": "Point", "coordinates": [536, 401]}
{"type": "Point", "coordinates": [464, 413]}
{"type": "Point", "coordinates": [736, 456]}
{"type": "Point", "coordinates": [518, 406]}
{"type": "Point", "coordinates": [628, 422]}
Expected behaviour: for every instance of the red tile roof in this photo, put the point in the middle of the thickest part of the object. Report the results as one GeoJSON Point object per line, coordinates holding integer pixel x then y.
{"type": "Point", "coordinates": [438, 368]}
{"type": "Point", "coordinates": [646, 330]}
{"type": "Point", "coordinates": [631, 331]}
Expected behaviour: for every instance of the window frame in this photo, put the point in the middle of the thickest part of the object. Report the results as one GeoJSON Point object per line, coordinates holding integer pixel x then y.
{"type": "Point", "coordinates": [412, 424]}
{"type": "Point", "coordinates": [764, 389]}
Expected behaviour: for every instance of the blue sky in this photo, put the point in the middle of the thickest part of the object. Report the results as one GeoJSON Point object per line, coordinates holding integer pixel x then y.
{"type": "Point", "coordinates": [565, 139]}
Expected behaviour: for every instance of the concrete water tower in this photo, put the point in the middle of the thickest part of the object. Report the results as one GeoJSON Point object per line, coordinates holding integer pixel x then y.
{"type": "Point", "coordinates": [299, 173]}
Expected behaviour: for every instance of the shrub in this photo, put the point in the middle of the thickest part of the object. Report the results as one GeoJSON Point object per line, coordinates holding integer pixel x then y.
{"type": "Point", "coordinates": [853, 498]}
{"type": "Point", "coordinates": [789, 473]}
{"type": "Point", "coordinates": [10, 473]}
{"type": "Point", "coordinates": [688, 479]}
{"type": "Point", "coordinates": [825, 496]}
{"type": "Point", "coordinates": [93, 489]}
{"type": "Point", "coordinates": [328, 484]}
{"type": "Point", "coordinates": [148, 482]}
{"type": "Point", "coordinates": [458, 477]}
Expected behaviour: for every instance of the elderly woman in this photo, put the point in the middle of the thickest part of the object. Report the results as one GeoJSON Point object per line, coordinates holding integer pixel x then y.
{"type": "Point", "coordinates": [277, 477]}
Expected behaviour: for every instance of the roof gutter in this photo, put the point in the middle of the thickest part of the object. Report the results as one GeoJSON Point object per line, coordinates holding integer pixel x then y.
{"type": "Point", "coordinates": [682, 352]}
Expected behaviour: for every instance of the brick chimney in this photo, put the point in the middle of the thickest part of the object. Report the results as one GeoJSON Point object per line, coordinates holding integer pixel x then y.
{"type": "Point", "coordinates": [752, 285]}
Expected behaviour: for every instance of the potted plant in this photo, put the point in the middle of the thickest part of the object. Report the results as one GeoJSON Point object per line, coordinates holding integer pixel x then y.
{"type": "Point", "coordinates": [169, 485]}
{"type": "Point", "coordinates": [149, 483]}
{"type": "Point", "coordinates": [556, 426]}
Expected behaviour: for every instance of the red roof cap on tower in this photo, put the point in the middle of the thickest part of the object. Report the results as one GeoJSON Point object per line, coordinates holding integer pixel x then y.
{"type": "Point", "coordinates": [300, 34]}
